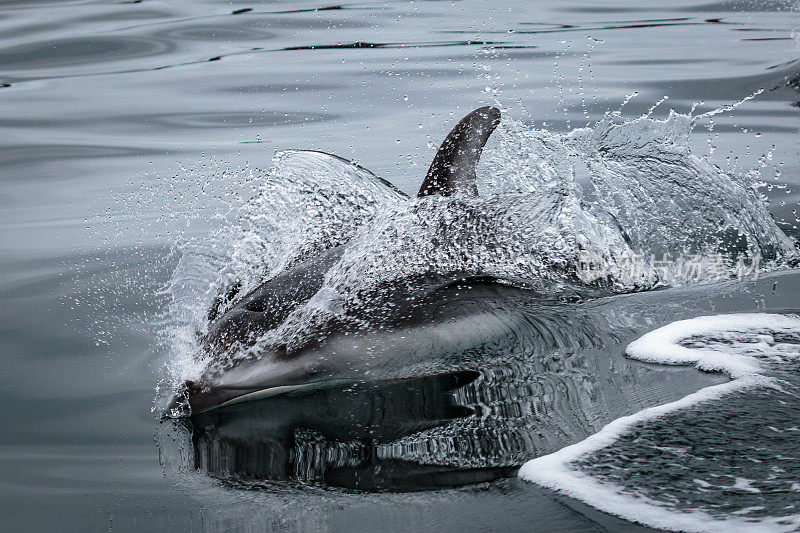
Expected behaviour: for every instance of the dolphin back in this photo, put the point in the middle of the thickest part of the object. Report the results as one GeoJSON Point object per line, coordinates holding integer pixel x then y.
{"type": "Point", "coordinates": [453, 167]}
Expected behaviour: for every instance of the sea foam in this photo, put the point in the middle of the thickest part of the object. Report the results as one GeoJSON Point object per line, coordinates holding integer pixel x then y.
{"type": "Point", "coordinates": [741, 345]}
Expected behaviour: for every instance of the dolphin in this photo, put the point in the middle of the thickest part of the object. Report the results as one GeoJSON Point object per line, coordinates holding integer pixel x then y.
{"type": "Point", "coordinates": [239, 321]}
{"type": "Point", "coordinates": [524, 377]}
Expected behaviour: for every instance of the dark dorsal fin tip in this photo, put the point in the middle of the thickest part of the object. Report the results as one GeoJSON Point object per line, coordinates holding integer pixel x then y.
{"type": "Point", "coordinates": [453, 167]}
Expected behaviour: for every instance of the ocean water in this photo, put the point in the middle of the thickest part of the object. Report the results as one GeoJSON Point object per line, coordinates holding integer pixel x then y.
{"type": "Point", "coordinates": [155, 153]}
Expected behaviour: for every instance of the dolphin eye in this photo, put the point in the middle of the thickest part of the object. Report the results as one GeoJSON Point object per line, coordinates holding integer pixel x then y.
{"type": "Point", "coordinates": [222, 300]}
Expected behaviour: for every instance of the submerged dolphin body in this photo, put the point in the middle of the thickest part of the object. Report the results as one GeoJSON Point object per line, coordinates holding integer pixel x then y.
{"type": "Point", "coordinates": [413, 321]}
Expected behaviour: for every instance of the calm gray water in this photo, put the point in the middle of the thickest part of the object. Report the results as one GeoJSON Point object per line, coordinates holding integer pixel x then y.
{"type": "Point", "coordinates": [114, 115]}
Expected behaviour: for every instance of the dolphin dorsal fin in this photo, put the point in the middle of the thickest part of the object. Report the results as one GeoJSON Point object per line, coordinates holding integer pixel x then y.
{"type": "Point", "coordinates": [453, 167]}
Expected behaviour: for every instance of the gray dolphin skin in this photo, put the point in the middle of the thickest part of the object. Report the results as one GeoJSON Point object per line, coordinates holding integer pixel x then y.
{"type": "Point", "coordinates": [453, 167]}
{"type": "Point", "coordinates": [452, 171]}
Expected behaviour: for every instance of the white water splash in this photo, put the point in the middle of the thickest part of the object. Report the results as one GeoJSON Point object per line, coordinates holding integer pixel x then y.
{"type": "Point", "coordinates": [535, 219]}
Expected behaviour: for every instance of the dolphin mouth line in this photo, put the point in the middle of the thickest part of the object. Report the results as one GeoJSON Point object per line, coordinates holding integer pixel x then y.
{"type": "Point", "coordinates": [277, 390]}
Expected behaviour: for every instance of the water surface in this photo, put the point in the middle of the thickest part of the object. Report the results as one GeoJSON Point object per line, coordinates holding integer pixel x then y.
{"type": "Point", "coordinates": [114, 115]}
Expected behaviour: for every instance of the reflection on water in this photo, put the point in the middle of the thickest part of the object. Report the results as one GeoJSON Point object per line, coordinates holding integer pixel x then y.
{"type": "Point", "coordinates": [336, 435]}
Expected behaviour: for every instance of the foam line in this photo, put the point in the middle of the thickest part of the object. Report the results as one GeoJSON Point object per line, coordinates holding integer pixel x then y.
{"type": "Point", "coordinates": [662, 346]}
